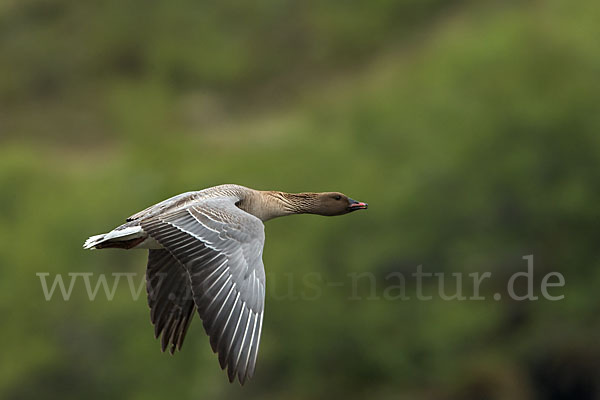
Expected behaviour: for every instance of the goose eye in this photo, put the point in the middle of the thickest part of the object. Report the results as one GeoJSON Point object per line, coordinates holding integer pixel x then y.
{"type": "Point", "coordinates": [338, 197]}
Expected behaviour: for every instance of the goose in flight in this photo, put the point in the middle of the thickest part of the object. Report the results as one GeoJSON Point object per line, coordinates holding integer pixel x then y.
{"type": "Point", "coordinates": [205, 254]}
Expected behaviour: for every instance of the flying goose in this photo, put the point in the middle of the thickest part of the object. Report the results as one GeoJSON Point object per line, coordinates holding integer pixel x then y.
{"type": "Point", "coordinates": [205, 253]}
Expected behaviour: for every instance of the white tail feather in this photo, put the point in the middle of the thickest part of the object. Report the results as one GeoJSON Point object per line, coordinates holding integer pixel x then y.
{"type": "Point", "coordinates": [93, 241]}
{"type": "Point", "coordinates": [130, 232]}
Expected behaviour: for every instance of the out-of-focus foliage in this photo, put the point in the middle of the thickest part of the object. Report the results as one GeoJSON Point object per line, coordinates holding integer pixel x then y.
{"type": "Point", "coordinates": [470, 128]}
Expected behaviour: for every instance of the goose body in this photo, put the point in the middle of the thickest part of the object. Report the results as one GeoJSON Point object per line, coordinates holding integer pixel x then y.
{"type": "Point", "coordinates": [205, 254]}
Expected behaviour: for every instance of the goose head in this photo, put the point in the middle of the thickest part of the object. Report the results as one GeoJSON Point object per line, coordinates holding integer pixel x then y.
{"type": "Point", "coordinates": [335, 203]}
{"type": "Point", "coordinates": [272, 204]}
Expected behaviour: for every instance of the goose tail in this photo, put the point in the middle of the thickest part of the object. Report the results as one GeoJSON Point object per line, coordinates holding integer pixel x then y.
{"type": "Point", "coordinates": [122, 238]}
{"type": "Point", "coordinates": [92, 241]}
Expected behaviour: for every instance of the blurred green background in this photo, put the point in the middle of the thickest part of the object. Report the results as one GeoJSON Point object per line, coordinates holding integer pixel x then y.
{"type": "Point", "coordinates": [470, 127]}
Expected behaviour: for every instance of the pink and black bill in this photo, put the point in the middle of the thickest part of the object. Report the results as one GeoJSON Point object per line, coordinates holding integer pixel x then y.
{"type": "Point", "coordinates": [357, 205]}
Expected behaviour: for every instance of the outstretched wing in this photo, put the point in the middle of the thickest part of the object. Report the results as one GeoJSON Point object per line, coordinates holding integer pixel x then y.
{"type": "Point", "coordinates": [169, 297]}
{"type": "Point", "coordinates": [221, 248]}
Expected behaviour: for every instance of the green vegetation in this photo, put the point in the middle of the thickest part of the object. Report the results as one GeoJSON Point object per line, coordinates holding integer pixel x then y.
{"type": "Point", "coordinates": [470, 128]}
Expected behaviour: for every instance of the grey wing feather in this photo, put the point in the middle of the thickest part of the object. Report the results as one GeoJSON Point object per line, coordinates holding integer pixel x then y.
{"type": "Point", "coordinates": [169, 297]}
{"type": "Point", "coordinates": [165, 206]}
{"type": "Point", "coordinates": [221, 248]}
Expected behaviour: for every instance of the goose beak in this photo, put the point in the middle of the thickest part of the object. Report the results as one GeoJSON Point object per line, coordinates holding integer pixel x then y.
{"type": "Point", "coordinates": [357, 205]}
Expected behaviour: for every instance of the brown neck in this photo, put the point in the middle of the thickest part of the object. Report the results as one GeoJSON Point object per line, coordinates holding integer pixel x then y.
{"type": "Point", "coordinates": [295, 203]}
{"type": "Point", "coordinates": [267, 205]}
